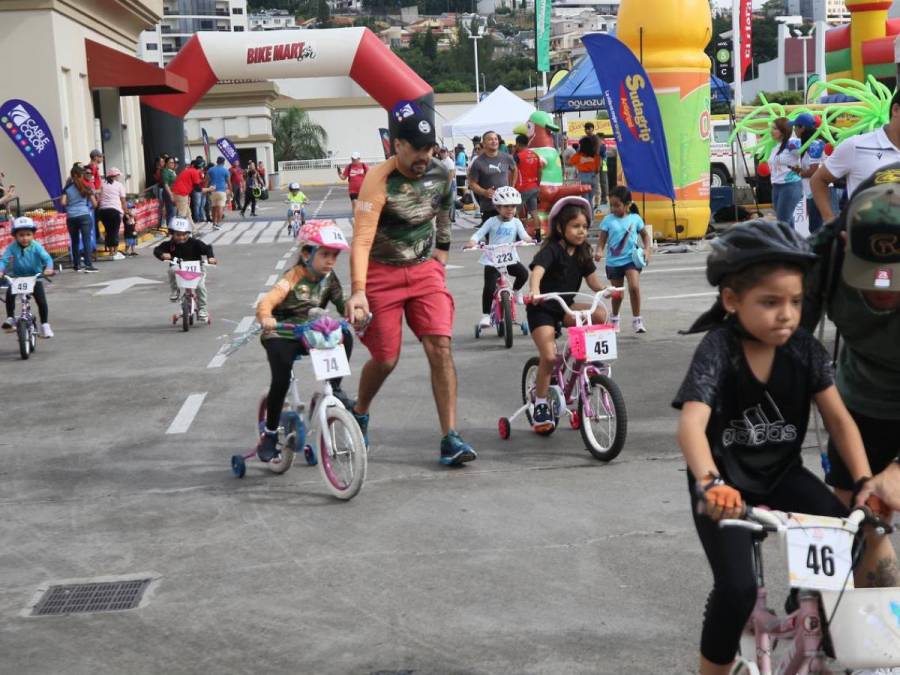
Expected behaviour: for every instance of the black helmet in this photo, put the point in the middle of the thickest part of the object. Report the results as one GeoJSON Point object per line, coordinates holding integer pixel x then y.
{"type": "Point", "coordinates": [755, 241]}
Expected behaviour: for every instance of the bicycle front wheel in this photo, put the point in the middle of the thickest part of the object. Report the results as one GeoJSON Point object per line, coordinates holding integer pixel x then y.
{"type": "Point", "coordinates": [343, 465]}
{"type": "Point", "coordinates": [604, 431]}
{"type": "Point", "coordinates": [185, 313]}
{"type": "Point", "coordinates": [506, 316]}
{"type": "Point", "coordinates": [24, 338]}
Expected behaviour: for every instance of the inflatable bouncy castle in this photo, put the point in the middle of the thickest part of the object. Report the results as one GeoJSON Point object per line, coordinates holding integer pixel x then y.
{"type": "Point", "coordinates": [865, 46]}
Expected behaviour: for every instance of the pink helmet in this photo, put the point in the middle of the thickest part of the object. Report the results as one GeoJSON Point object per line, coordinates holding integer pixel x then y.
{"type": "Point", "coordinates": [580, 202]}
{"type": "Point", "coordinates": [324, 233]}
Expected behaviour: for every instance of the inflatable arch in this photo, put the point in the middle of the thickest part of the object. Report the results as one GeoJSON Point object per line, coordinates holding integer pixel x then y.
{"type": "Point", "coordinates": [209, 57]}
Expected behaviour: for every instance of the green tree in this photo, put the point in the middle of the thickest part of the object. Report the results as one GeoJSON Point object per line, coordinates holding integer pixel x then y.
{"type": "Point", "coordinates": [451, 87]}
{"type": "Point", "coordinates": [782, 97]}
{"type": "Point", "coordinates": [298, 137]}
{"type": "Point", "coordinates": [323, 13]}
{"type": "Point", "coordinates": [429, 46]}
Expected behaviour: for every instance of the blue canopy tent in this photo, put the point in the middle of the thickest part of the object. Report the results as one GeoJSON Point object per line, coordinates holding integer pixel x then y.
{"type": "Point", "coordinates": [579, 90]}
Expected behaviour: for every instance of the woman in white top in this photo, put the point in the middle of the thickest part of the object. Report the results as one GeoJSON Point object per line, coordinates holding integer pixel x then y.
{"type": "Point", "coordinates": [110, 210]}
{"type": "Point", "coordinates": [784, 163]}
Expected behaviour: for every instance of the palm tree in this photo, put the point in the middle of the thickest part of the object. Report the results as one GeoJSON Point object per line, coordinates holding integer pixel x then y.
{"type": "Point", "coordinates": [298, 137]}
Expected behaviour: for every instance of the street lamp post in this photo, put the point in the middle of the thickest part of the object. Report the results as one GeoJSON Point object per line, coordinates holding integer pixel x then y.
{"type": "Point", "coordinates": [475, 39]}
{"type": "Point", "coordinates": [804, 40]}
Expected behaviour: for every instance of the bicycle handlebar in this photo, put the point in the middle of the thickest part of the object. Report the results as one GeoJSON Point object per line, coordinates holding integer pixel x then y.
{"type": "Point", "coordinates": [763, 520]}
{"type": "Point", "coordinates": [596, 298]}
{"type": "Point", "coordinates": [483, 247]}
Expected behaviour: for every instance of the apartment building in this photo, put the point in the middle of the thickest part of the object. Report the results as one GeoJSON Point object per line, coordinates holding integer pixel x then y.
{"type": "Point", "coordinates": [182, 18]}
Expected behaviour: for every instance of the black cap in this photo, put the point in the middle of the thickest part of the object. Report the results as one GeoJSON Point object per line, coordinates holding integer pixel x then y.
{"type": "Point", "coordinates": [417, 129]}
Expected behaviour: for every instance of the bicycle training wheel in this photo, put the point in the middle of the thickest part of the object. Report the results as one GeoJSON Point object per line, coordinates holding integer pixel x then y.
{"type": "Point", "coordinates": [506, 317]}
{"type": "Point", "coordinates": [24, 341]}
{"type": "Point", "coordinates": [290, 425]}
{"type": "Point", "coordinates": [344, 465]}
{"type": "Point", "coordinates": [604, 432]}
{"type": "Point", "coordinates": [529, 380]}
{"type": "Point", "coordinates": [185, 313]}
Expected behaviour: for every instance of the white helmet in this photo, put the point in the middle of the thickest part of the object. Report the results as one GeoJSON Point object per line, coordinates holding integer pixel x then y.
{"type": "Point", "coordinates": [180, 225]}
{"type": "Point", "coordinates": [506, 196]}
{"type": "Point", "coordinates": [23, 223]}
{"type": "Point", "coordinates": [294, 186]}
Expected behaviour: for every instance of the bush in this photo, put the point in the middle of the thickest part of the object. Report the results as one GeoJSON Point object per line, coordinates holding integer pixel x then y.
{"type": "Point", "coordinates": [782, 97]}
{"type": "Point", "coordinates": [450, 87]}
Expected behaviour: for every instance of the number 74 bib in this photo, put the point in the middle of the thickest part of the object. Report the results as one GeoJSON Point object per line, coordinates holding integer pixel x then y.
{"type": "Point", "coordinates": [330, 363]}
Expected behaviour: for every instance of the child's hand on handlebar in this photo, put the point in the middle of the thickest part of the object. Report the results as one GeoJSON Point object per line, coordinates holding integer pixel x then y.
{"type": "Point", "coordinates": [722, 502]}
{"type": "Point", "coordinates": [212, 261]}
{"type": "Point", "coordinates": [268, 324]}
{"type": "Point", "coordinates": [166, 256]}
{"type": "Point", "coordinates": [470, 244]}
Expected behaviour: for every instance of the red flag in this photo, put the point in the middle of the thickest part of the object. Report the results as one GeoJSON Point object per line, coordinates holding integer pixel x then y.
{"type": "Point", "coordinates": [746, 37]}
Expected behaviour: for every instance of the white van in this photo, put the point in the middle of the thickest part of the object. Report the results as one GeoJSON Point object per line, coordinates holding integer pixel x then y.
{"type": "Point", "coordinates": [720, 161]}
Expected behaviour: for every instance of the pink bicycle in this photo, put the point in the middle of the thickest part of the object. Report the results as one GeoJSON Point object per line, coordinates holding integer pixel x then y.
{"type": "Point", "coordinates": [503, 306]}
{"type": "Point", "coordinates": [860, 628]}
{"type": "Point", "coordinates": [582, 386]}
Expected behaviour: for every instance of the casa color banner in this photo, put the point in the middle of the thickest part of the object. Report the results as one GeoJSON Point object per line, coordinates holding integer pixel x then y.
{"type": "Point", "coordinates": [542, 34]}
{"type": "Point", "coordinates": [205, 143]}
{"type": "Point", "coordinates": [746, 37]}
{"type": "Point", "coordinates": [31, 134]}
{"type": "Point", "coordinates": [228, 150]}
{"type": "Point", "coordinates": [634, 115]}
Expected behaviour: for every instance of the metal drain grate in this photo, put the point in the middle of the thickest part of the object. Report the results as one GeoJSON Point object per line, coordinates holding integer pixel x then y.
{"type": "Point", "coordinates": [108, 596]}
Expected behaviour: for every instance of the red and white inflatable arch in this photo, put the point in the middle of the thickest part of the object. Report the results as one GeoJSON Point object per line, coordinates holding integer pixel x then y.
{"type": "Point", "coordinates": [209, 57]}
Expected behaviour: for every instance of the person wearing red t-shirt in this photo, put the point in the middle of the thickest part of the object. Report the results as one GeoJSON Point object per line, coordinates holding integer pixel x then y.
{"type": "Point", "coordinates": [237, 184]}
{"type": "Point", "coordinates": [184, 186]}
{"type": "Point", "coordinates": [354, 173]}
{"type": "Point", "coordinates": [528, 180]}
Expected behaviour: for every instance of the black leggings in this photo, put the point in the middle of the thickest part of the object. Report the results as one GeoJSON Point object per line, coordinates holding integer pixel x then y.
{"type": "Point", "coordinates": [730, 555]}
{"type": "Point", "coordinates": [491, 274]}
{"type": "Point", "coordinates": [112, 221]}
{"type": "Point", "coordinates": [40, 299]}
{"type": "Point", "coordinates": [249, 200]}
{"type": "Point", "coordinates": [281, 353]}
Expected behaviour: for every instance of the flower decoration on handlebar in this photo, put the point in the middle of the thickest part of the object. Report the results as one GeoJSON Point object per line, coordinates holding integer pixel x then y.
{"type": "Point", "coordinates": [323, 333]}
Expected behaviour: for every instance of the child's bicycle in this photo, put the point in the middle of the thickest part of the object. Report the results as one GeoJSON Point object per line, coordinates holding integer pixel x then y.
{"type": "Point", "coordinates": [26, 323]}
{"type": "Point", "coordinates": [503, 306]}
{"type": "Point", "coordinates": [326, 431]}
{"type": "Point", "coordinates": [188, 274]}
{"type": "Point", "coordinates": [581, 386]}
{"type": "Point", "coordinates": [858, 627]}
{"type": "Point", "coordinates": [297, 219]}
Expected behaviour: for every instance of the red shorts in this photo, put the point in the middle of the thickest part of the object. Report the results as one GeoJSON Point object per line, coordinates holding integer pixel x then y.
{"type": "Point", "coordinates": [419, 291]}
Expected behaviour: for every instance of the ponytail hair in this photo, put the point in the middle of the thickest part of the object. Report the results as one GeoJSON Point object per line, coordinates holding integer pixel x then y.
{"type": "Point", "coordinates": [623, 194]}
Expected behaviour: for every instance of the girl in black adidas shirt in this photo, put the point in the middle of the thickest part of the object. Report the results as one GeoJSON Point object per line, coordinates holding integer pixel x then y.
{"type": "Point", "coordinates": [744, 408]}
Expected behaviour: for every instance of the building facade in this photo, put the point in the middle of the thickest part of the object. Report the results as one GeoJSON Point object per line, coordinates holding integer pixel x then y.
{"type": "Point", "coordinates": [84, 80]}
{"type": "Point", "coordinates": [272, 19]}
{"type": "Point", "coordinates": [182, 18]}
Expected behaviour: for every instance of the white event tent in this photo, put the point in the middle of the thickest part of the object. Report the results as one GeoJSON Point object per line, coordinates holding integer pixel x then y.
{"type": "Point", "coordinates": [500, 111]}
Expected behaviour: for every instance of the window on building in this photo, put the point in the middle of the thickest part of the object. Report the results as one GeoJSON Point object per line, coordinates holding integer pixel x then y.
{"type": "Point", "coordinates": [238, 29]}
{"type": "Point", "coordinates": [237, 10]}
{"type": "Point", "coordinates": [152, 47]}
{"type": "Point", "coordinates": [795, 83]}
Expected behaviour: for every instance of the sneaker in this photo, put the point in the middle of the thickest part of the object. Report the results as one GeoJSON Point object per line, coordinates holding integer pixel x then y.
{"type": "Point", "coordinates": [202, 318]}
{"type": "Point", "coordinates": [520, 298]}
{"type": "Point", "coordinates": [46, 331]}
{"type": "Point", "coordinates": [485, 321]}
{"type": "Point", "coordinates": [76, 269]}
{"type": "Point", "coordinates": [615, 323]}
{"type": "Point", "coordinates": [91, 269]}
{"type": "Point", "coordinates": [9, 324]}
{"type": "Point", "coordinates": [217, 227]}
{"type": "Point", "coordinates": [542, 418]}
{"type": "Point", "coordinates": [267, 449]}
{"type": "Point", "coordinates": [174, 295]}
{"type": "Point", "coordinates": [638, 324]}
{"type": "Point", "coordinates": [363, 422]}
{"type": "Point", "coordinates": [454, 450]}
{"type": "Point", "coordinates": [118, 256]}
{"type": "Point", "coordinates": [345, 400]}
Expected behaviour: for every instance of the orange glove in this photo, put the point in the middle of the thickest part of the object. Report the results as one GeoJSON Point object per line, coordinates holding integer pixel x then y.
{"type": "Point", "coordinates": [720, 499]}
{"type": "Point", "coordinates": [879, 508]}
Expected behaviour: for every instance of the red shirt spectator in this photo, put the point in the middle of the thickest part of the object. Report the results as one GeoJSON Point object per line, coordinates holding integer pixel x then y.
{"type": "Point", "coordinates": [237, 175]}
{"type": "Point", "coordinates": [529, 164]}
{"type": "Point", "coordinates": [186, 181]}
{"type": "Point", "coordinates": [354, 173]}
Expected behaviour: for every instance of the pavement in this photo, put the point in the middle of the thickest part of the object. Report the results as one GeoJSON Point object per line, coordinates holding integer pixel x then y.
{"type": "Point", "coordinates": [534, 559]}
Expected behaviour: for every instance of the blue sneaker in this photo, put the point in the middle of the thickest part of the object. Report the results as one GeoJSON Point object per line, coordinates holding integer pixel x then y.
{"type": "Point", "coordinates": [454, 450]}
{"type": "Point", "coordinates": [267, 449]}
{"type": "Point", "coordinates": [542, 418]}
{"type": "Point", "coordinates": [363, 422]}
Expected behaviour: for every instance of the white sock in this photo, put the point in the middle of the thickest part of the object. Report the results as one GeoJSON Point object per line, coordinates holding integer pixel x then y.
{"type": "Point", "coordinates": [538, 401]}
{"type": "Point", "coordinates": [614, 318]}
{"type": "Point", "coordinates": [271, 432]}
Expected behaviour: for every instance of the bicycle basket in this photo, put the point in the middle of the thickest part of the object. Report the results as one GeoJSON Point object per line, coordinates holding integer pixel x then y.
{"type": "Point", "coordinates": [578, 341]}
{"type": "Point", "coordinates": [186, 279]}
{"type": "Point", "coordinates": [865, 629]}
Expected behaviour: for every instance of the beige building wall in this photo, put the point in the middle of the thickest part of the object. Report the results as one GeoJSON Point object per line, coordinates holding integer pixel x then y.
{"type": "Point", "coordinates": [52, 34]}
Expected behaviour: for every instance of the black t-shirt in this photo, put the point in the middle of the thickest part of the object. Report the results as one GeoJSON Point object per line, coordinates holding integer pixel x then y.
{"type": "Point", "coordinates": [562, 273]}
{"type": "Point", "coordinates": [756, 430]}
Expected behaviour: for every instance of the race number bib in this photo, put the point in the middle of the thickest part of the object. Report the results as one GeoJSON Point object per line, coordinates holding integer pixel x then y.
{"type": "Point", "coordinates": [23, 285]}
{"type": "Point", "coordinates": [330, 363]}
{"type": "Point", "coordinates": [819, 553]}
{"type": "Point", "coordinates": [502, 255]}
{"type": "Point", "coordinates": [191, 266]}
{"type": "Point", "coordinates": [601, 345]}
{"type": "Point", "coordinates": [332, 236]}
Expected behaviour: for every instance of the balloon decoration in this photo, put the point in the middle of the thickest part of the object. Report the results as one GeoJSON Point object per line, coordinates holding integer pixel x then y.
{"type": "Point", "coordinates": [836, 122]}
{"type": "Point", "coordinates": [763, 170]}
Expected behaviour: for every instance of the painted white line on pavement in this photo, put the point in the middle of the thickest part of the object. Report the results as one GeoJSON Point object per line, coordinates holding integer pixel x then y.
{"type": "Point", "coordinates": [322, 203]}
{"type": "Point", "coordinates": [267, 236]}
{"type": "Point", "coordinates": [258, 298]}
{"type": "Point", "coordinates": [185, 416]}
{"type": "Point", "coordinates": [280, 264]}
{"type": "Point", "coordinates": [287, 255]}
{"type": "Point", "coordinates": [238, 230]}
{"type": "Point", "coordinates": [244, 324]}
{"type": "Point", "coordinates": [656, 270]}
{"type": "Point", "coordinates": [271, 280]}
{"type": "Point", "coordinates": [252, 233]}
{"type": "Point", "coordinates": [685, 295]}
{"type": "Point", "coordinates": [218, 360]}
